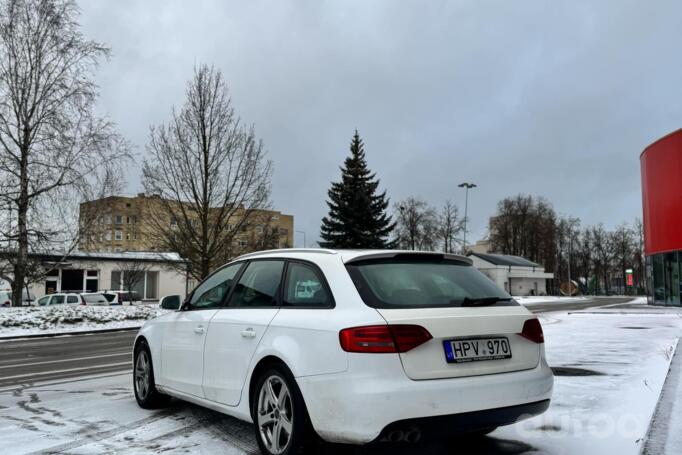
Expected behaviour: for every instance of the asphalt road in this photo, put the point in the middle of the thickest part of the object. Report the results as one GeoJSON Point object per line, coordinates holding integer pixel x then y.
{"type": "Point", "coordinates": [32, 360]}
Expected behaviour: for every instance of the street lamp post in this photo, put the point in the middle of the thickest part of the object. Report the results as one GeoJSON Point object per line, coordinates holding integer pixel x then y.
{"type": "Point", "coordinates": [302, 232]}
{"type": "Point", "coordinates": [467, 186]}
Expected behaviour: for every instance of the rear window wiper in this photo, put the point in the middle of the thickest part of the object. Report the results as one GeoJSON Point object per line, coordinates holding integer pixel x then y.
{"type": "Point", "coordinates": [483, 301]}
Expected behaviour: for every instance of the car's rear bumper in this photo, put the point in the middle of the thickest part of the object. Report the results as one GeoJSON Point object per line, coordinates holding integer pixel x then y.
{"type": "Point", "coordinates": [374, 396]}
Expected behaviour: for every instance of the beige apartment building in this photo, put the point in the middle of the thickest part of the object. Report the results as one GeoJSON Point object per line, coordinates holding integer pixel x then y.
{"type": "Point", "coordinates": [121, 224]}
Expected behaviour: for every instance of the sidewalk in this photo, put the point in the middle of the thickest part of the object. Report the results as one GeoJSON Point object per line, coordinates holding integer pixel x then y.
{"type": "Point", "coordinates": [665, 432]}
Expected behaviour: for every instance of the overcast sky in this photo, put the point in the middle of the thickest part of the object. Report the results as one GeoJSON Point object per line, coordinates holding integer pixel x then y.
{"type": "Point", "coordinates": [538, 97]}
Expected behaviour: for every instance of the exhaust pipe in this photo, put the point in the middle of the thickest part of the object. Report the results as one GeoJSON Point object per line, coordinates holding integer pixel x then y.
{"type": "Point", "coordinates": [395, 436]}
{"type": "Point", "coordinates": [411, 436]}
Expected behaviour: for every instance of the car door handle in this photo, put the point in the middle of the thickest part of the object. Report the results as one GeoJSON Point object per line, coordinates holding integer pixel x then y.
{"type": "Point", "coordinates": [248, 333]}
{"type": "Point", "coordinates": [199, 330]}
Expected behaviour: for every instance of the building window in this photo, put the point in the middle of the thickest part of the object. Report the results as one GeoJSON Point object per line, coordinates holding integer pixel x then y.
{"type": "Point", "coordinates": [173, 221]}
{"type": "Point", "coordinates": [144, 283]}
{"type": "Point", "coordinates": [119, 219]}
{"type": "Point", "coordinates": [118, 249]}
{"type": "Point", "coordinates": [259, 229]}
{"type": "Point", "coordinates": [127, 235]}
{"type": "Point", "coordinates": [107, 219]}
{"type": "Point", "coordinates": [243, 243]}
{"type": "Point", "coordinates": [118, 235]}
{"type": "Point", "coordinates": [107, 236]}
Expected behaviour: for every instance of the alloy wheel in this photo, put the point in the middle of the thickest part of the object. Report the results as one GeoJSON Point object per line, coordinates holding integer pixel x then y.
{"type": "Point", "coordinates": [275, 414]}
{"type": "Point", "coordinates": [142, 374]}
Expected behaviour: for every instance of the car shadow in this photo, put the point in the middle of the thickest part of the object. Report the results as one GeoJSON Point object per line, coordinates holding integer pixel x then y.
{"type": "Point", "coordinates": [466, 445]}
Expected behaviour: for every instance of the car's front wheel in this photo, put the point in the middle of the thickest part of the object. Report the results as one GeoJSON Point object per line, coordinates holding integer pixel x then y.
{"type": "Point", "coordinates": [279, 414]}
{"type": "Point", "coordinates": [143, 379]}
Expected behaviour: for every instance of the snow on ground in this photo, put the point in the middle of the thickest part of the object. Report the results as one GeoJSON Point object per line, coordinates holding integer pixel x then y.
{"type": "Point", "coordinates": [72, 318]}
{"type": "Point", "coordinates": [609, 369]}
{"type": "Point", "coordinates": [543, 299]}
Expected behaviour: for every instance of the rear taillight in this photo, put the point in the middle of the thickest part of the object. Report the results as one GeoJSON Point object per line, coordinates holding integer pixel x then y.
{"type": "Point", "coordinates": [383, 338]}
{"type": "Point", "coordinates": [532, 330]}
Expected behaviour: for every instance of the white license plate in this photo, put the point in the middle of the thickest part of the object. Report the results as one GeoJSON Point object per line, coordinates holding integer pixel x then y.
{"type": "Point", "coordinates": [475, 349]}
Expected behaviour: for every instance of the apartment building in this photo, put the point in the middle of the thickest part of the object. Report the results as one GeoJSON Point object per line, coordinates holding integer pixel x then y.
{"type": "Point", "coordinates": [119, 224]}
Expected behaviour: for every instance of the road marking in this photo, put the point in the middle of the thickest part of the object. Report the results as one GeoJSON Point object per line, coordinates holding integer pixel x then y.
{"type": "Point", "coordinates": [68, 370]}
{"type": "Point", "coordinates": [66, 360]}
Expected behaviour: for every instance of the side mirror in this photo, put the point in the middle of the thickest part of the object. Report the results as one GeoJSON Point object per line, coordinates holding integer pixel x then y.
{"type": "Point", "coordinates": [171, 302]}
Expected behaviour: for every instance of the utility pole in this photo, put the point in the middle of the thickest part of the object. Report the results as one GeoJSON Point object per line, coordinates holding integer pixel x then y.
{"type": "Point", "coordinates": [302, 232]}
{"type": "Point", "coordinates": [467, 186]}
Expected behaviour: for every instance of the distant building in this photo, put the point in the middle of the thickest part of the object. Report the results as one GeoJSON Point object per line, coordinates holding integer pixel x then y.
{"type": "Point", "coordinates": [661, 166]}
{"type": "Point", "coordinates": [481, 246]}
{"type": "Point", "coordinates": [516, 275]}
{"type": "Point", "coordinates": [91, 272]}
{"type": "Point", "coordinates": [123, 224]}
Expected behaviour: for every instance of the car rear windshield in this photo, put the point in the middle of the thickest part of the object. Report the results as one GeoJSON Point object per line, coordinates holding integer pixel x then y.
{"type": "Point", "coordinates": [424, 283]}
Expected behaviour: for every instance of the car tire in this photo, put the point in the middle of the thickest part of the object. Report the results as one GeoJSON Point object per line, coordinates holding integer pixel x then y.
{"type": "Point", "coordinates": [281, 423]}
{"type": "Point", "coordinates": [143, 379]}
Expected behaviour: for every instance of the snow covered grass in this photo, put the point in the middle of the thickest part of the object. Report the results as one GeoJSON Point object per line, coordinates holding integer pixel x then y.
{"type": "Point", "coordinates": [72, 318]}
{"type": "Point", "coordinates": [610, 369]}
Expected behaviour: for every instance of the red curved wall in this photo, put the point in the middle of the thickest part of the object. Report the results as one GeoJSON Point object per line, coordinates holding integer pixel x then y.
{"type": "Point", "coordinates": [661, 165]}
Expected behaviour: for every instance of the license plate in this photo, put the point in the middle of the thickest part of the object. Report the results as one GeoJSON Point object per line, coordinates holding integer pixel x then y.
{"type": "Point", "coordinates": [475, 349]}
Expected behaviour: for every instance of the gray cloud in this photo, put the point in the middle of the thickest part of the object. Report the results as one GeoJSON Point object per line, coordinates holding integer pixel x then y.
{"type": "Point", "coordinates": [539, 97]}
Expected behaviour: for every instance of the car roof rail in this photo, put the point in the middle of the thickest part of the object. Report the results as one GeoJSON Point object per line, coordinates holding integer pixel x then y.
{"type": "Point", "coordinates": [287, 250]}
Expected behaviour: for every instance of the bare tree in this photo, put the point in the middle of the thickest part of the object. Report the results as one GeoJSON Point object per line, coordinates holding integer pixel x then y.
{"type": "Point", "coordinates": [450, 226]}
{"type": "Point", "coordinates": [417, 225]}
{"type": "Point", "coordinates": [623, 239]}
{"type": "Point", "coordinates": [210, 172]}
{"type": "Point", "coordinates": [54, 150]}
{"type": "Point", "coordinates": [132, 275]}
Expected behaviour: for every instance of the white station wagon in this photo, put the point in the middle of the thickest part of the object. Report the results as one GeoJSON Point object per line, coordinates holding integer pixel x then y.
{"type": "Point", "coordinates": [347, 346]}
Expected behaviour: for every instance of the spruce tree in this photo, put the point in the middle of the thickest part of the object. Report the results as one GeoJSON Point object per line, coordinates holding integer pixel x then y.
{"type": "Point", "coordinates": [357, 214]}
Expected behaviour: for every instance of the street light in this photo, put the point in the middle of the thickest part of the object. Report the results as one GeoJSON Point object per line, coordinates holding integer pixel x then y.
{"type": "Point", "coordinates": [467, 186]}
{"type": "Point", "coordinates": [302, 232]}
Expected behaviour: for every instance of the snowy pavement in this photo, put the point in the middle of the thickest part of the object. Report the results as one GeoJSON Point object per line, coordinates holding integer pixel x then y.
{"type": "Point", "coordinates": [610, 371]}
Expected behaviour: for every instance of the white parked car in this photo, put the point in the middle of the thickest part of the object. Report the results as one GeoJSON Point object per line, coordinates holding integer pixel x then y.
{"type": "Point", "coordinates": [60, 298]}
{"type": "Point", "coordinates": [122, 297]}
{"type": "Point", "coordinates": [94, 299]}
{"type": "Point", "coordinates": [391, 345]}
{"type": "Point", "coordinates": [5, 299]}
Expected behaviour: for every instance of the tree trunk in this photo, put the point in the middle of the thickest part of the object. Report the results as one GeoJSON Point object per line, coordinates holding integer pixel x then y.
{"type": "Point", "coordinates": [22, 240]}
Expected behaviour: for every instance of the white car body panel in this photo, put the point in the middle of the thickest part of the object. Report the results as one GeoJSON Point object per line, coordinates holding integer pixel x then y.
{"type": "Point", "coordinates": [232, 339]}
{"type": "Point", "coordinates": [182, 350]}
{"type": "Point", "coordinates": [350, 397]}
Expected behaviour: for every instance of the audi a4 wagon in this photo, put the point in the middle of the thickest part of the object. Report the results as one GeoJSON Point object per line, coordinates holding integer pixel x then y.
{"type": "Point", "coordinates": [349, 347]}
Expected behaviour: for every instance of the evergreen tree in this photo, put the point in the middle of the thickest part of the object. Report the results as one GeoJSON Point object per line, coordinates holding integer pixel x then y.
{"type": "Point", "coordinates": [357, 214]}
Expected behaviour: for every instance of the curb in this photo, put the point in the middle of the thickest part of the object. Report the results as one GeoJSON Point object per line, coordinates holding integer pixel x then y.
{"type": "Point", "coordinates": [662, 411]}
{"type": "Point", "coordinates": [62, 334]}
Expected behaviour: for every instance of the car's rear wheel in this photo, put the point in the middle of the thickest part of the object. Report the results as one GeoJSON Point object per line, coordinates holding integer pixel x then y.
{"type": "Point", "coordinates": [143, 379]}
{"type": "Point", "coordinates": [280, 418]}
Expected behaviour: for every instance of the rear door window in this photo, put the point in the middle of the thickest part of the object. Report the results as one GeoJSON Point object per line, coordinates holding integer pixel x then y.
{"type": "Point", "coordinates": [259, 285]}
{"type": "Point", "coordinates": [57, 300]}
{"type": "Point", "coordinates": [305, 288]}
{"type": "Point", "coordinates": [72, 299]}
{"type": "Point", "coordinates": [424, 283]}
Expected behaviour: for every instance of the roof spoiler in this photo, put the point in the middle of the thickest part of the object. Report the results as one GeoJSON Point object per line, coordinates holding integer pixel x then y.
{"type": "Point", "coordinates": [411, 255]}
